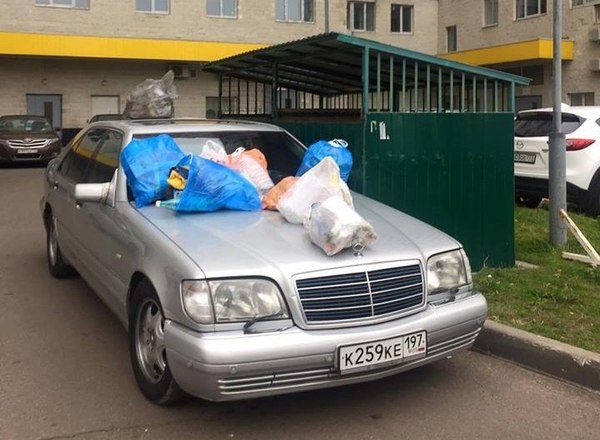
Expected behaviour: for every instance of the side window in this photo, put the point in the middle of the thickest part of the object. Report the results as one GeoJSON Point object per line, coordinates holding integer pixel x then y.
{"type": "Point", "coordinates": [106, 159]}
{"type": "Point", "coordinates": [76, 162]}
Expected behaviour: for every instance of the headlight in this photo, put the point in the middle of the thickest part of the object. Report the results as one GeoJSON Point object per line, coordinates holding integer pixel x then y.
{"type": "Point", "coordinates": [231, 300]}
{"type": "Point", "coordinates": [448, 270]}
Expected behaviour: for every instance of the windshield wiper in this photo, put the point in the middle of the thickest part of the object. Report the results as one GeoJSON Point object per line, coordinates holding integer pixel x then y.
{"type": "Point", "coordinates": [249, 324]}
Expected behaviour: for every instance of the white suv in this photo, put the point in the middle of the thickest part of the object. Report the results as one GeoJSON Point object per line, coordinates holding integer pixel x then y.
{"type": "Point", "coordinates": [581, 125]}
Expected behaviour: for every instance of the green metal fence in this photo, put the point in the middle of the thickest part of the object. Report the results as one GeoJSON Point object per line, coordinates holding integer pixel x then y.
{"type": "Point", "coordinates": [429, 136]}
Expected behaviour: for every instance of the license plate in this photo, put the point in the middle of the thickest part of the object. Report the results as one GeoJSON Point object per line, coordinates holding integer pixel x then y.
{"type": "Point", "coordinates": [27, 151]}
{"type": "Point", "coordinates": [377, 354]}
{"type": "Point", "coordinates": [525, 157]}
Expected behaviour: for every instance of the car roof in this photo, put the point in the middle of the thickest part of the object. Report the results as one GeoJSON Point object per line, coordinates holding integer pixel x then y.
{"type": "Point", "coordinates": [589, 111]}
{"type": "Point", "coordinates": [182, 125]}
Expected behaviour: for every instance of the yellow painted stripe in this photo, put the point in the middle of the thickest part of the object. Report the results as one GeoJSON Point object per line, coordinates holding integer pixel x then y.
{"type": "Point", "coordinates": [15, 43]}
{"type": "Point", "coordinates": [540, 49]}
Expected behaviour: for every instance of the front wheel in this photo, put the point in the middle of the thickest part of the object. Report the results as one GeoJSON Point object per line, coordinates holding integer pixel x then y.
{"type": "Point", "coordinates": [56, 264]}
{"type": "Point", "coordinates": [147, 348]}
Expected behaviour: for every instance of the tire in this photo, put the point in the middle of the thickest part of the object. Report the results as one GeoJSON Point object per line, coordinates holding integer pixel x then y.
{"type": "Point", "coordinates": [147, 348]}
{"type": "Point", "coordinates": [592, 207]}
{"type": "Point", "coordinates": [57, 266]}
{"type": "Point", "coordinates": [529, 201]}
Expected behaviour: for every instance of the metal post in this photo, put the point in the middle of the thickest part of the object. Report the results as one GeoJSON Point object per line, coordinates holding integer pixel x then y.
{"type": "Point", "coordinates": [220, 104]}
{"type": "Point", "coordinates": [365, 81]}
{"type": "Point", "coordinates": [557, 171]}
{"type": "Point", "coordinates": [326, 16]}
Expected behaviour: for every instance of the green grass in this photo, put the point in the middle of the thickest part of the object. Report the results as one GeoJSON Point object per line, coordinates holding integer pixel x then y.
{"type": "Point", "coordinates": [560, 299]}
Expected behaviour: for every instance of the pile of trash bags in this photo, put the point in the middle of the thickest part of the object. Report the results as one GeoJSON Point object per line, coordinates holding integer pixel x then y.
{"type": "Point", "coordinates": [159, 172]}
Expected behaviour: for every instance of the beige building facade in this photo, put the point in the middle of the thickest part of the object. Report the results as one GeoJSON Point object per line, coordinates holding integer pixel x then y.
{"type": "Point", "coordinates": [71, 59]}
{"type": "Point", "coordinates": [516, 36]}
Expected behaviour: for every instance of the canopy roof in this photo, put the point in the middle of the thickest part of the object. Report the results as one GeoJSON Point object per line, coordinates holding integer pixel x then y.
{"type": "Point", "coordinates": [332, 63]}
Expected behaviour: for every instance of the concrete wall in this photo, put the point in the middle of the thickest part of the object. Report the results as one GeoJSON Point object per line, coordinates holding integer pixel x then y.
{"type": "Point", "coordinates": [187, 20]}
{"type": "Point", "coordinates": [77, 80]}
{"type": "Point", "coordinates": [577, 23]}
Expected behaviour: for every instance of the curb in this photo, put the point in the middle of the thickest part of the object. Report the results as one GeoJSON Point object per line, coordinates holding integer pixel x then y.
{"type": "Point", "coordinates": [539, 353]}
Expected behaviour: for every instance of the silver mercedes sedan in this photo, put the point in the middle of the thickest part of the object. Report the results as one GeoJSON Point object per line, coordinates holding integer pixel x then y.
{"type": "Point", "coordinates": [234, 305]}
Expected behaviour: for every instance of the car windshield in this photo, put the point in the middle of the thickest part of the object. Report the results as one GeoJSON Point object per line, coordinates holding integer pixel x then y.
{"type": "Point", "coordinates": [24, 125]}
{"type": "Point", "coordinates": [534, 124]}
{"type": "Point", "coordinates": [282, 152]}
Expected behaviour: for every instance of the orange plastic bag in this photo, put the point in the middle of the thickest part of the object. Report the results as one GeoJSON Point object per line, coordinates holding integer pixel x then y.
{"type": "Point", "coordinates": [272, 197]}
{"type": "Point", "coordinates": [258, 156]}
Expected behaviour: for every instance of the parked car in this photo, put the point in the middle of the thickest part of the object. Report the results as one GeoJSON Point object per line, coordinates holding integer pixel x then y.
{"type": "Point", "coordinates": [106, 117]}
{"type": "Point", "coordinates": [581, 125]}
{"type": "Point", "coordinates": [235, 305]}
{"type": "Point", "coordinates": [27, 138]}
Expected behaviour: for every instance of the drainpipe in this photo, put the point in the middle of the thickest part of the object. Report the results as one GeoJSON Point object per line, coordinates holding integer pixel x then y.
{"type": "Point", "coordinates": [326, 16]}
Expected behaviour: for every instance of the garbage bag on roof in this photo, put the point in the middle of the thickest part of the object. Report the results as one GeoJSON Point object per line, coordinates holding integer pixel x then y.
{"type": "Point", "coordinates": [316, 185]}
{"type": "Point", "coordinates": [337, 149]}
{"type": "Point", "coordinates": [152, 98]}
{"type": "Point", "coordinates": [211, 186]}
{"type": "Point", "coordinates": [147, 163]}
{"type": "Point", "coordinates": [333, 226]}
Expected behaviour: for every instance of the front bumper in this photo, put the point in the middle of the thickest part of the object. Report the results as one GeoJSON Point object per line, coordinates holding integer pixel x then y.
{"type": "Point", "coordinates": [43, 154]}
{"type": "Point", "coordinates": [232, 366]}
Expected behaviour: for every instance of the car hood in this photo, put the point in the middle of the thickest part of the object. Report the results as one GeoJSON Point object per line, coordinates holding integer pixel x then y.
{"type": "Point", "coordinates": [262, 243]}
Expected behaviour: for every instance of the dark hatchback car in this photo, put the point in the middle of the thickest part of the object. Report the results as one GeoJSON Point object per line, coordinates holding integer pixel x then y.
{"type": "Point", "coordinates": [27, 138]}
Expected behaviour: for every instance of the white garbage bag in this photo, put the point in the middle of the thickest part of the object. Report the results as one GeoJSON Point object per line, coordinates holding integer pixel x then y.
{"type": "Point", "coordinates": [316, 185]}
{"type": "Point", "coordinates": [333, 226]}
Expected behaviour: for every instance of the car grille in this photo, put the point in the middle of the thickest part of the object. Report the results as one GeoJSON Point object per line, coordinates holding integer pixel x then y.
{"type": "Point", "coordinates": [361, 295]}
{"type": "Point", "coordinates": [29, 143]}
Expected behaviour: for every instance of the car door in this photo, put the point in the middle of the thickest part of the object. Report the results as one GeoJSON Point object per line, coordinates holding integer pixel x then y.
{"type": "Point", "coordinates": [106, 244]}
{"type": "Point", "coordinates": [62, 180]}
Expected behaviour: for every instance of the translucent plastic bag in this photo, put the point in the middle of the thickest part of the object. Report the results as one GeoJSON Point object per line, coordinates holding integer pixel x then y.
{"type": "Point", "coordinates": [316, 185]}
{"type": "Point", "coordinates": [245, 163]}
{"type": "Point", "coordinates": [337, 149]}
{"type": "Point", "coordinates": [211, 186]}
{"type": "Point", "coordinates": [147, 163]}
{"type": "Point", "coordinates": [271, 198]}
{"type": "Point", "coordinates": [214, 151]}
{"type": "Point", "coordinates": [334, 226]}
{"type": "Point", "coordinates": [152, 98]}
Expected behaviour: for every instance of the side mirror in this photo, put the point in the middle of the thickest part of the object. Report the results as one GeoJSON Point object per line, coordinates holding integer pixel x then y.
{"type": "Point", "coordinates": [92, 192]}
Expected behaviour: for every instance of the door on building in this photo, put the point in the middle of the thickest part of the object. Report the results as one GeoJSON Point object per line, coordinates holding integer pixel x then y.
{"type": "Point", "coordinates": [528, 102]}
{"type": "Point", "coordinates": [49, 106]}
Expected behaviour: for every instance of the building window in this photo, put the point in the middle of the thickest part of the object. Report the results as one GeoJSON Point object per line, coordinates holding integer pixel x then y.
{"type": "Point", "coordinates": [361, 16]}
{"type": "Point", "coordinates": [582, 98]}
{"type": "Point", "coordinates": [402, 18]}
{"type": "Point", "coordinates": [451, 38]}
{"type": "Point", "coordinates": [79, 4]}
{"type": "Point", "coordinates": [490, 12]}
{"type": "Point", "coordinates": [155, 6]}
{"type": "Point", "coordinates": [295, 10]}
{"type": "Point", "coordinates": [528, 8]}
{"type": "Point", "coordinates": [221, 8]}
{"type": "Point", "coordinates": [575, 3]}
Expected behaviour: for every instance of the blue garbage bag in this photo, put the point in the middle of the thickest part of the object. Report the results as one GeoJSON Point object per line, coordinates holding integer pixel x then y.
{"type": "Point", "coordinates": [337, 149]}
{"type": "Point", "coordinates": [212, 186]}
{"type": "Point", "coordinates": [146, 163]}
